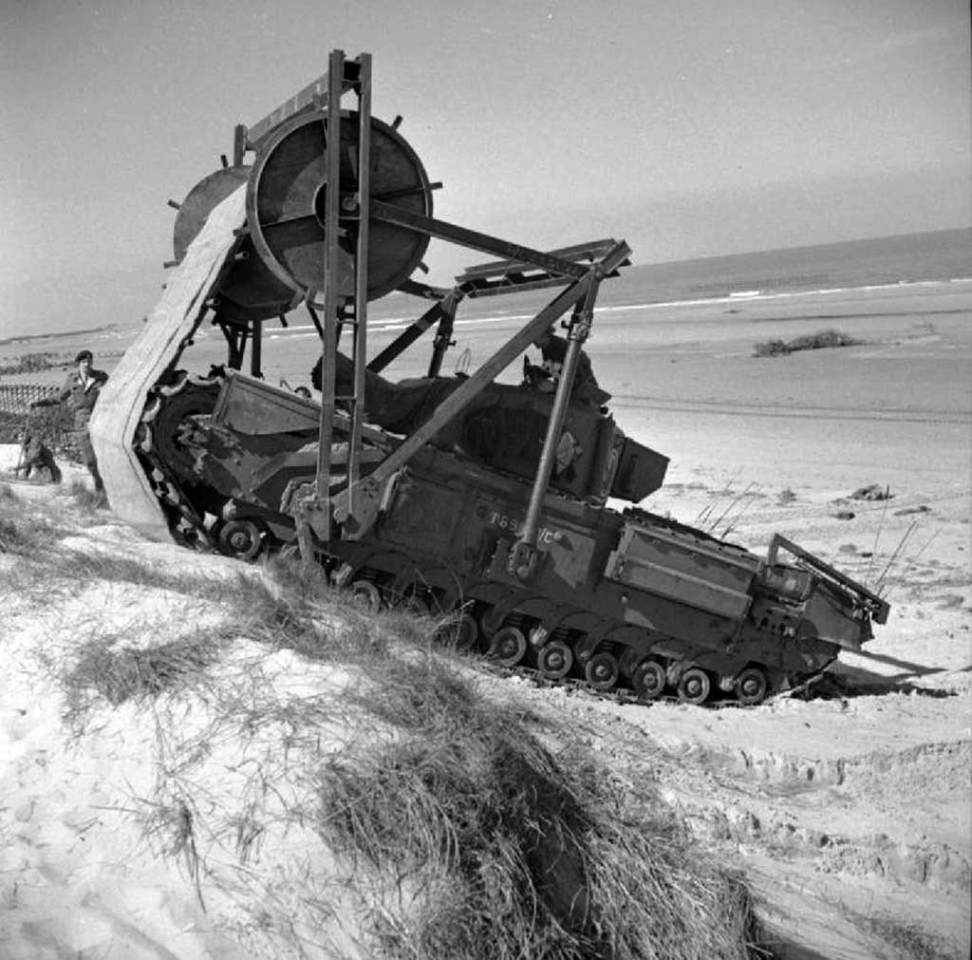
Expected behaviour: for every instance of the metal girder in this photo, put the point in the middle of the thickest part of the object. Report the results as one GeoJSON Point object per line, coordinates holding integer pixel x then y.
{"type": "Point", "coordinates": [360, 328]}
{"type": "Point", "coordinates": [523, 555]}
{"type": "Point", "coordinates": [591, 251]}
{"type": "Point", "coordinates": [514, 276]}
{"type": "Point", "coordinates": [315, 511]}
{"type": "Point", "coordinates": [477, 241]}
{"type": "Point", "coordinates": [308, 98]}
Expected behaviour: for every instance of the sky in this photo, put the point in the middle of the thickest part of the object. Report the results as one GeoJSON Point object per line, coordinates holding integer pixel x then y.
{"type": "Point", "coordinates": [689, 128]}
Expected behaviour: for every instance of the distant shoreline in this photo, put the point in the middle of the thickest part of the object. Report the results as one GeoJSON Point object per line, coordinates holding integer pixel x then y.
{"type": "Point", "coordinates": [391, 324]}
{"type": "Point", "coordinates": [55, 335]}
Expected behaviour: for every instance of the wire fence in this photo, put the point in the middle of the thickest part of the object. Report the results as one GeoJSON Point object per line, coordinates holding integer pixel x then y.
{"type": "Point", "coordinates": [17, 397]}
{"type": "Point", "coordinates": [53, 425]}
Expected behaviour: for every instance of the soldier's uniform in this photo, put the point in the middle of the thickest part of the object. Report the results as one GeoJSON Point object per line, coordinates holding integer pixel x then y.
{"type": "Point", "coordinates": [79, 393]}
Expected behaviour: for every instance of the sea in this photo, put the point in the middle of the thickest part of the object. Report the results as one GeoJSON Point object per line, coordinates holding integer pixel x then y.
{"type": "Point", "coordinates": [941, 255]}
{"type": "Point", "coordinates": [937, 257]}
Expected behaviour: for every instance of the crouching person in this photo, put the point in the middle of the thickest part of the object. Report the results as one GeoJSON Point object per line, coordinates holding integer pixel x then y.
{"type": "Point", "coordinates": [35, 456]}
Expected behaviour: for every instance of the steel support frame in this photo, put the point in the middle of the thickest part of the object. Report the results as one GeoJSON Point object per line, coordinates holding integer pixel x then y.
{"type": "Point", "coordinates": [356, 507]}
{"type": "Point", "coordinates": [314, 514]}
{"type": "Point", "coordinates": [358, 517]}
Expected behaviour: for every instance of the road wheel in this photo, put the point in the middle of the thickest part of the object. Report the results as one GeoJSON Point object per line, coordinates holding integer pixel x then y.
{"type": "Point", "coordinates": [366, 596]}
{"type": "Point", "coordinates": [694, 686]}
{"type": "Point", "coordinates": [751, 686]}
{"type": "Point", "coordinates": [648, 679]}
{"type": "Point", "coordinates": [460, 633]}
{"type": "Point", "coordinates": [555, 660]}
{"type": "Point", "coordinates": [242, 539]}
{"type": "Point", "coordinates": [602, 670]}
{"type": "Point", "coordinates": [508, 646]}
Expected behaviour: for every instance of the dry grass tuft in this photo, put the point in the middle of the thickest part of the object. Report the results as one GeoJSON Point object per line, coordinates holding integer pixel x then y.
{"type": "Point", "coordinates": [171, 825]}
{"type": "Point", "coordinates": [292, 606]}
{"type": "Point", "coordinates": [104, 667]}
{"type": "Point", "coordinates": [508, 850]}
{"type": "Point", "coordinates": [31, 536]}
{"type": "Point", "coordinates": [32, 528]}
{"type": "Point", "coordinates": [86, 499]}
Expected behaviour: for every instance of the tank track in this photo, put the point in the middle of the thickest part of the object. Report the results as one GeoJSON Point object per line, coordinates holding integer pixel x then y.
{"type": "Point", "coordinates": [485, 631]}
{"type": "Point", "coordinates": [624, 696]}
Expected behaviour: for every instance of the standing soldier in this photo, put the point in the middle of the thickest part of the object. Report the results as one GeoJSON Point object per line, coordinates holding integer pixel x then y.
{"type": "Point", "coordinates": [80, 391]}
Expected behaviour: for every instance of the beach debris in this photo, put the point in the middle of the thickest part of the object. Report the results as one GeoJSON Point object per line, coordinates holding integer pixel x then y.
{"type": "Point", "coordinates": [844, 515]}
{"type": "Point", "coordinates": [906, 511]}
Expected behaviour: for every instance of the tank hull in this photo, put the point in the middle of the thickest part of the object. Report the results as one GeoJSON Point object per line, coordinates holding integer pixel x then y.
{"type": "Point", "coordinates": [614, 593]}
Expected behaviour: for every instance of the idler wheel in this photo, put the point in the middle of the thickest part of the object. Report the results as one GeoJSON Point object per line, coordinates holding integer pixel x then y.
{"type": "Point", "coordinates": [602, 670]}
{"type": "Point", "coordinates": [555, 660]}
{"type": "Point", "coordinates": [172, 416]}
{"type": "Point", "coordinates": [242, 539]}
{"type": "Point", "coordinates": [365, 596]}
{"type": "Point", "coordinates": [508, 646]}
{"type": "Point", "coordinates": [751, 686]}
{"type": "Point", "coordinates": [694, 686]}
{"type": "Point", "coordinates": [460, 633]}
{"type": "Point", "coordinates": [648, 679]}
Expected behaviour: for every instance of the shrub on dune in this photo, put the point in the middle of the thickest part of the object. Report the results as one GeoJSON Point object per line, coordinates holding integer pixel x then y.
{"type": "Point", "coordinates": [824, 339]}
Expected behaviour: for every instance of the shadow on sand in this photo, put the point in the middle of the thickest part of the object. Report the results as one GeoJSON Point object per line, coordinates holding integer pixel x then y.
{"type": "Point", "coordinates": [852, 682]}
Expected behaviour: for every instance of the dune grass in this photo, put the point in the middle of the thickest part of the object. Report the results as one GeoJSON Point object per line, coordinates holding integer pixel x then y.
{"type": "Point", "coordinates": [519, 851]}
{"type": "Point", "coordinates": [31, 529]}
{"type": "Point", "coordinates": [25, 531]}
{"type": "Point", "coordinates": [823, 339]}
{"type": "Point", "coordinates": [104, 666]}
{"type": "Point", "coordinates": [87, 500]}
{"type": "Point", "coordinates": [493, 834]}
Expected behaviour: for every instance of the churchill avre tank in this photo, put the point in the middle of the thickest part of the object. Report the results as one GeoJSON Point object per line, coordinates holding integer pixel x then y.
{"type": "Point", "coordinates": [456, 494]}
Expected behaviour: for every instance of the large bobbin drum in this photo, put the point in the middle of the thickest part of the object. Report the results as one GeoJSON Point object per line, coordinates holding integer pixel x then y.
{"type": "Point", "coordinates": [286, 196]}
{"type": "Point", "coordinates": [247, 290]}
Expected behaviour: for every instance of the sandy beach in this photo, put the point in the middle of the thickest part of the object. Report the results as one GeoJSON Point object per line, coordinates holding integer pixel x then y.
{"type": "Point", "coordinates": [844, 812]}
